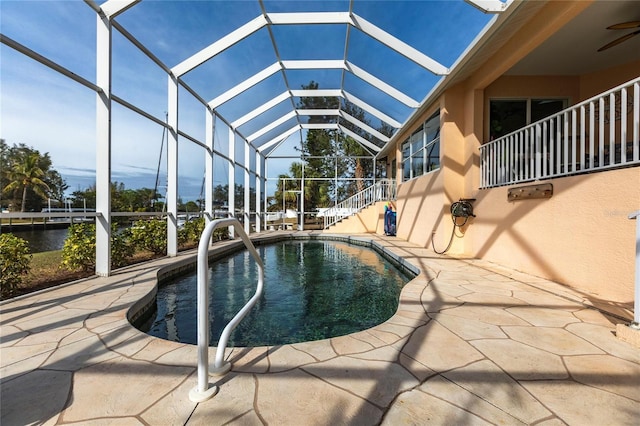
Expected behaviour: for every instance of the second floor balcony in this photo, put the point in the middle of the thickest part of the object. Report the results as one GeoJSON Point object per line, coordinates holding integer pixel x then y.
{"type": "Point", "coordinates": [598, 134]}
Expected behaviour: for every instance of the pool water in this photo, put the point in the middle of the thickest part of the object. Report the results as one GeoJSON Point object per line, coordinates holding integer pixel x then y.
{"type": "Point", "coordinates": [312, 290]}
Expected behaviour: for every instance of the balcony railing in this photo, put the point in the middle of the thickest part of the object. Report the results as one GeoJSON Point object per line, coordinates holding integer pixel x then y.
{"type": "Point", "coordinates": [595, 135]}
{"type": "Point", "coordinates": [382, 190]}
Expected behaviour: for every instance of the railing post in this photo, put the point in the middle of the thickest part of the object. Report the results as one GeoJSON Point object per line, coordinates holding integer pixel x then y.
{"type": "Point", "coordinates": [636, 306]}
{"type": "Point", "coordinates": [631, 333]}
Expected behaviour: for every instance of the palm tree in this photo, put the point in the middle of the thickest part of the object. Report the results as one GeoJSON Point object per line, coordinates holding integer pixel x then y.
{"type": "Point", "coordinates": [27, 173]}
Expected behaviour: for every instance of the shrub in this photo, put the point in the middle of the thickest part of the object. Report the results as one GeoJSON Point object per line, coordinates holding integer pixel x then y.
{"type": "Point", "coordinates": [122, 248]}
{"type": "Point", "coordinates": [221, 234]}
{"type": "Point", "coordinates": [15, 258]}
{"type": "Point", "coordinates": [191, 231]}
{"type": "Point", "coordinates": [150, 235]}
{"type": "Point", "coordinates": [79, 250]}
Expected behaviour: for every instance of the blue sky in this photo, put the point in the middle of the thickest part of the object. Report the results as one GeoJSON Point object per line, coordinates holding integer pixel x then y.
{"type": "Point", "coordinates": [54, 114]}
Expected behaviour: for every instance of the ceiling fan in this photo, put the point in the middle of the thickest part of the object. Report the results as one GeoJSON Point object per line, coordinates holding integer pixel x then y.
{"type": "Point", "coordinates": [622, 26]}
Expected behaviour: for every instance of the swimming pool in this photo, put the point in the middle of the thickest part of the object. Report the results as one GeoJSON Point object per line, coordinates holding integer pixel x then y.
{"type": "Point", "coordinates": [313, 290]}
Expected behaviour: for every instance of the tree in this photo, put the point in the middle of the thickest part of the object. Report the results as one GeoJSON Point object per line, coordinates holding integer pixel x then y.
{"type": "Point", "coordinates": [25, 173]}
{"type": "Point", "coordinates": [122, 199]}
{"type": "Point", "coordinates": [27, 177]}
{"type": "Point", "coordinates": [330, 153]}
{"type": "Point", "coordinates": [221, 195]}
{"type": "Point", "coordinates": [319, 150]}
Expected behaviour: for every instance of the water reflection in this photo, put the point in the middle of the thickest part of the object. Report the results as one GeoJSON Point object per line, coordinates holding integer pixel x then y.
{"type": "Point", "coordinates": [313, 290]}
{"type": "Point", "coordinates": [40, 240]}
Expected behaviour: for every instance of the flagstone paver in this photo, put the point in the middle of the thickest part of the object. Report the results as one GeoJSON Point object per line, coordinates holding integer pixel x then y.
{"type": "Point", "coordinates": [471, 343]}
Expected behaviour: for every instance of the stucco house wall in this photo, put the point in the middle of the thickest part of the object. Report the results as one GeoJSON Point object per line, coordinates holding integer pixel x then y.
{"type": "Point", "coordinates": [581, 236]}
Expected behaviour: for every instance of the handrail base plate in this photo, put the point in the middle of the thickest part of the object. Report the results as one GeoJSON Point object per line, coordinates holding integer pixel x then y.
{"type": "Point", "coordinates": [220, 371]}
{"type": "Point", "coordinates": [196, 396]}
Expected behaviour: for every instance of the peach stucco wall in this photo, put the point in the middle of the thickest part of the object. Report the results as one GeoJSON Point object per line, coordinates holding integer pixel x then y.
{"type": "Point", "coordinates": [595, 83]}
{"type": "Point", "coordinates": [368, 221]}
{"type": "Point", "coordinates": [581, 236]}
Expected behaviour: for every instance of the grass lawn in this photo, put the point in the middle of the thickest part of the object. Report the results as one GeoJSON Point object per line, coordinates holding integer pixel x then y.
{"type": "Point", "coordinates": [47, 272]}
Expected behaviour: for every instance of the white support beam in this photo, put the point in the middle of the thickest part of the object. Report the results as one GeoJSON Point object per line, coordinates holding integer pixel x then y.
{"type": "Point", "coordinates": [381, 85]}
{"type": "Point", "coordinates": [113, 8]}
{"type": "Point", "coordinates": [301, 195]}
{"type": "Point", "coordinates": [210, 132]}
{"type": "Point", "coordinates": [220, 46]}
{"type": "Point", "coordinates": [245, 85]}
{"type": "Point", "coordinates": [314, 64]}
{"type": "Point", "coordinates": [371, 110]}
{"type": "Point", "coordinates": [318, 111]}
{"type": "Point", "coordinates": [399, 46]}
{"type": "Point", "coordinates": [172, 167]}
{"type": "Point", "coordinates": [317, 93]}
{"type": "Point", "coordinates": [348, 117]}
{"type": "Point", "coordinates": [489, 6]}
{"type": "Point", "coordinates": [320, 126]}
{"type": "Point", "coordinates": [231, 193]}
{"type": "Point", "coordinates": [261, 109]}
{"type": "Point", "coordinates": [47, 62]}
{"type": "Point", "coordinates": [365, 143]}
{"type": "Point", "coordinates": [267, 152]}
{"type": "Point", "coordinates": [288, 116]}
{"type": "Point", "coordinates": [246, 208]}
{"type": "Point", "coordinates": [305, 18]}
{"type": "Point", "coordinates": [258, 191]}
{"type": "Point", "coordinates": [364, 126]}
{"type": "Point", "coordinates": [103, 146]}
{"type": "Point", "coordinates": [279, 138]}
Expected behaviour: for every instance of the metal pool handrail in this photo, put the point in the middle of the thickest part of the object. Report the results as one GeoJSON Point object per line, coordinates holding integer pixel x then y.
{"type": "Point", "coordinates": [202, 392]}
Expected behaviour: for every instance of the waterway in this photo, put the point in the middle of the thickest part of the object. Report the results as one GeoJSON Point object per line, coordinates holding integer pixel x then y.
{"type": "Point", "coordinates": [40, 240]}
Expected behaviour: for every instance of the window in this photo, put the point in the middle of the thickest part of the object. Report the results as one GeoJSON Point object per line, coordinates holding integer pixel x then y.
{"type": "Point", "coordinates": [421, 151]}
{"type": "Point", "coordinates": [509, 115]}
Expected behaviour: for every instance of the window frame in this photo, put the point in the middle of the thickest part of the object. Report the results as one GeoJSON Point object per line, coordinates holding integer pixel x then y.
{"type": "Point", "coordinates": [417, 147]}
{"type": "Point", "coordinates": [528, 101]}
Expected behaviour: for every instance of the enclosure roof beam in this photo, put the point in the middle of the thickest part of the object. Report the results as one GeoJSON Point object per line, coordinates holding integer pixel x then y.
{"type": "Point", "coordinates": [273, 125]}
{"type": "Point", "coordinates": [371, 110]}
{"type": "Point", "coordinates": [350, 118]}
{"type": "Point", "coordinates": [318, 112]}
{"type": "Point", "coordinates": [322, 93]}
{"type": "Point", "coordinates": [245, 85]}
{"type": "Point", "coordinates": [489, 6]}
{"type": "Point", "coordinates": [365, 143]}
{"type": "Point", "coordinates": [279, 138]}
{"type": "Point", "coordinates": [319, 126]}
{"type": "Point", "coordinates": [381, 85]}
{"type": "Point", "coordinates": [337, 93]}
{"type": "Point", "coordinates": [313, 64]}
{"type": "Point", "coordinates": [261, 109]}
{"type": "Point", "coordinates": [346, 116]}
{"type": "Point", "coordinates": [304, 19]}
{"type": "Point", "coordinates": [304, 65]}
{"type": "Point", "coordinates": [398, 45]}
{"type": "Point", "coordinates": [219, 46]}
{"type": "Point", "coordinates": [113, 8]}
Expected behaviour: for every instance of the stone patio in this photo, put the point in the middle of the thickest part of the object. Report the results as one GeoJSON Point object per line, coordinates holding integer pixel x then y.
{"type": "Point", "coordinates": [471, 343]}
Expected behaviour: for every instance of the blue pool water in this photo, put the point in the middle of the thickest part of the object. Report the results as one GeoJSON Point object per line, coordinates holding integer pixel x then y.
{"type": "Point", "coordinates": [313, 290]}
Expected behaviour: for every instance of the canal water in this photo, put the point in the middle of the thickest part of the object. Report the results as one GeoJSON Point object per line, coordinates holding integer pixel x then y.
{"type": "Point", "coordinates": [40, 240]}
